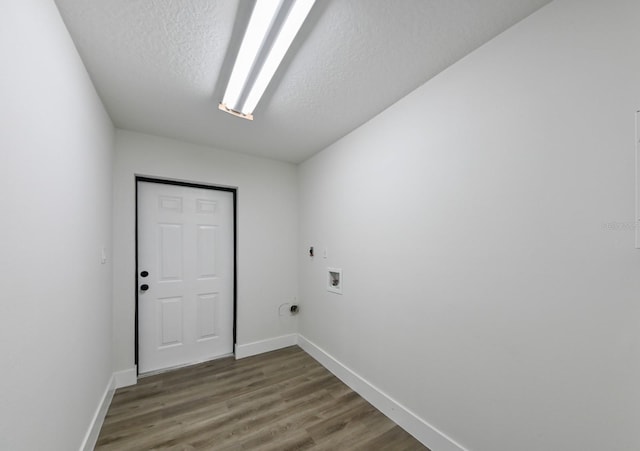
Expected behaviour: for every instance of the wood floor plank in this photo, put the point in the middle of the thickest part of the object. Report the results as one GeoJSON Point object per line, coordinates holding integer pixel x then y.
{"type": "Point", "coordinates": [282, 400]}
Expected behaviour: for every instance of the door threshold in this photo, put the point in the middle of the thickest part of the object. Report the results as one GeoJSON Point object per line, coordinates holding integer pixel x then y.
{"type": "Point", "coordinates": [185, 365]}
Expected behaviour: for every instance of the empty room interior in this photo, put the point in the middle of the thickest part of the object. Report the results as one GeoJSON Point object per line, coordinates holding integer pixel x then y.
{"type": "Point", "coordinates": [431, 205]}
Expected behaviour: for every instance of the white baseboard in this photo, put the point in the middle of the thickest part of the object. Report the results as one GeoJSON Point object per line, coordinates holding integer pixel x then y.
{"type": "Point", "coordinates": [90, 439]}
{"type": "Point", "coordinates": [406, 419]}
{"type": "Point", "coordinates": [270, 344]}
{"type": "Point", "coordinates": [125, 378]}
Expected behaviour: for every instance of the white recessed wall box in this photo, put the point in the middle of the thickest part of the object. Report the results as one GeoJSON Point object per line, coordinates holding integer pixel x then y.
{"type": "Point", "coordinates": [334, 280]}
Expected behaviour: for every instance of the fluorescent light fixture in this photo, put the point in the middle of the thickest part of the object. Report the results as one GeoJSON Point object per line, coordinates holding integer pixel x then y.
{"type": "Point", "coordinates": [272, 27]}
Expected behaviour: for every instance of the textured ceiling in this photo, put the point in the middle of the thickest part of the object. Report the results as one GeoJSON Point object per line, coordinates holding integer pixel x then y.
{"type": "Point", "coordinates": [161, 66]}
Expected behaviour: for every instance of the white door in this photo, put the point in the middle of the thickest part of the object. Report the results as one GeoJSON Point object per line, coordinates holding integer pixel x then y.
{"type": "Point", "coordinates": [185, 275]}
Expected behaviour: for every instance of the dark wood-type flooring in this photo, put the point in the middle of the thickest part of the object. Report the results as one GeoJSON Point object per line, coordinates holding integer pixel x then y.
{"type": "Point", "coordinates": [282, 400]}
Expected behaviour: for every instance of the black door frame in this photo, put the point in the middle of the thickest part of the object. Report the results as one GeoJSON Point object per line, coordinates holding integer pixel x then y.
{"type": "Point", "coordinates": [234, 192]}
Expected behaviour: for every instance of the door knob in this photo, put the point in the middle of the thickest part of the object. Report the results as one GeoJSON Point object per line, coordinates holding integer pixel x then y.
{"type": "Point", "coordinates": [144, 287]}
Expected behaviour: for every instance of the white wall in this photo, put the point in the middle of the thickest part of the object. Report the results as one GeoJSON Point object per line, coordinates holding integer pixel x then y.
{"type": "Point", "coordinates": [483, 286]}
{"type": "Point", "coordinates": [56, 145]}
{"type": "Point", "coordinates": [266, 231]}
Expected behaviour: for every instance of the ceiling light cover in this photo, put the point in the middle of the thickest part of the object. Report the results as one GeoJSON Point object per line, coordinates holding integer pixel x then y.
{"type": "Point", "coordinates": [261, 52]}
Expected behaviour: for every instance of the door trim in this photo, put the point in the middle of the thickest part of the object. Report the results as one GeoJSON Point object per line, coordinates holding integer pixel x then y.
{"type": "Point", "coordinates": [234, 192]}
